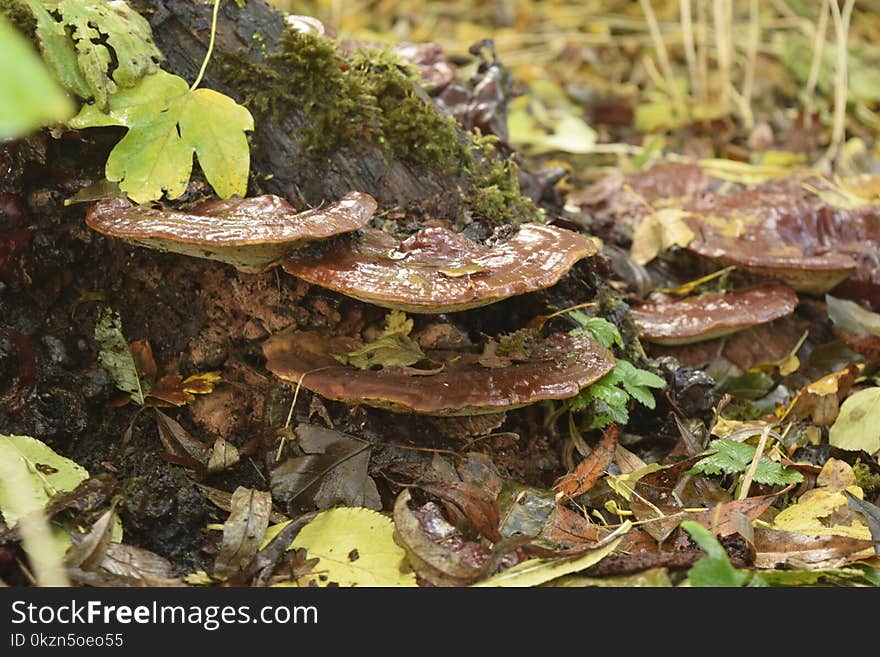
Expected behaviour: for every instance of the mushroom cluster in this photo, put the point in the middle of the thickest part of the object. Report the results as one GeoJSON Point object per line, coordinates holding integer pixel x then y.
{"type": "Point", "coordinates": [801, 230]}
{"type": "Point", "coordinates": [433, 271]}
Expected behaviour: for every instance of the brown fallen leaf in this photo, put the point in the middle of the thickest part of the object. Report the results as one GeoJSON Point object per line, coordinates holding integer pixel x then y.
{"type": "Point", "coordinates": [174, 390]}
{"type": "Point", "coordinates": [570, 529]}
{"type": "Point", "coordinates": [722, 520]}
{"type": "Point", "coordinates": [88, 551]}
{"type": "Point", "coordinates": [590, 470]}
{"type": "Point", "coordinates": [243, 531]}
{"type": "Point", "coordinates": [655, 502]}
{"type": "Point", "coordinates": [139, 567]}
{"type": "Point", "coordinates": [776, 548]}
{"type": "Point", "coordinates": [821, 399]}
{"type": "Point", "coordinates": [143, 358]}
{"type": "Point", "coordinates": [181, 447]}
{"type": "Point", "coordinates": [223, 455]}
{"type": "Point", "coordinates": [477, 505]}
{"type": "Point", "coordinates": [433, 562]}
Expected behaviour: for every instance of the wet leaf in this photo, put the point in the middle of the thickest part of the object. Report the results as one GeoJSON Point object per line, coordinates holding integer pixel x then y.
{"type": "Point", "coordinates": [591, 469]}
{"type": "Point", "coordinates": [333, 471]}
{"type": "Point", "coordinates": [858, 424]}
{"type": "Point", "coordinates": [651, 578]}
{"type": "Point", "coordinates": [169, 123]}
{"type": "Point", "coordinates": [356, 548]}
{"type": "Point", "coordinates": [477, 505]}
{"type": "Point", "coordinates": [733, 457]}
{"type": "Point", "coordinates": [722, 520]}
{"type": "Point", "coordinates": [436, 563]}
{"type": "Point", "coordinates": [524, 510]}
{"type": "Point", "coordinates": [851, 317]}
{"type": "Point", "coordinates": [243, 531]}
{"type": "Point", "coordinates": [534, 572]}
{"type": "Point", "coordinates": [115, 356]}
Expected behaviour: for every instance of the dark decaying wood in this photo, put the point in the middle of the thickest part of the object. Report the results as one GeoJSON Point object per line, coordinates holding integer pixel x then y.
{"type": "Point", "coordinates": [182, 28]}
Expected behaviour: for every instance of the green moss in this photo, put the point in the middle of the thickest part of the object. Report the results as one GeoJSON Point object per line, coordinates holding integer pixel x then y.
{"type": "Point", "coordinates": [865, 479]}
{"type": "Point", "coordinates": [370, 95]}
{"type": "Point", "coordinates": [496, 193]}
{"type": "Point", "coordinates": [19, 15]}
{"type": "Point", "coordinates": [373, 95]}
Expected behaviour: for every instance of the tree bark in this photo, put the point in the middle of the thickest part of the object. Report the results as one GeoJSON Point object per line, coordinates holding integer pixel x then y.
{"type": "Point", "coordinates": [181, 29]}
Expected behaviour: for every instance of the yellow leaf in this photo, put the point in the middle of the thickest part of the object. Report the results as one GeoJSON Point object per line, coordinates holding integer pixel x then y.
{"type": "Point", "coordinates": [355, 547]}
{"type": "Point", "coordinates": [824, 510]}
{"type": "Point", "coordinates": [534, 572]}
{"type": "Point", "coordinates": [659, 231]}
{"type": "Point", "coordinates": [748, 174]}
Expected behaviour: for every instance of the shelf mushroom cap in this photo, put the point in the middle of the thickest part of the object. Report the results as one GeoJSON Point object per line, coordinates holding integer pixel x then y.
{"type": "Point", "coordinates": [437, 270]}
{"type": "Point", "coordinates": [708, 316]}
{"type": "Point", "coordinates": [558, 367]}
{"type": "Point", "coordinates": [253, 234]}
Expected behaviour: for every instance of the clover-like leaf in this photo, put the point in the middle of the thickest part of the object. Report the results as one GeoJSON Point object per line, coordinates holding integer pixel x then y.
{"type": "Point", "coordinates": [168, 123]}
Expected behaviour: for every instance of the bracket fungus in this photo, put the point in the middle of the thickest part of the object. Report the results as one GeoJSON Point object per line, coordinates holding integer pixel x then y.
{"type": "Point", "coordinates": [557, 368]}
{"type": "Point", "coordinates": [437, 270]}
{"type": "Point", "coordinates": [253, 234]}
{"type": "Point", "coordinates": [780, 230]}
{"type": "Point", "coordinates": [684, 321]}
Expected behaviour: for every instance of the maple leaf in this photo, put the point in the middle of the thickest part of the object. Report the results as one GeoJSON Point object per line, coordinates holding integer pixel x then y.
{"type": "Point", "coordinates": [168, 123]}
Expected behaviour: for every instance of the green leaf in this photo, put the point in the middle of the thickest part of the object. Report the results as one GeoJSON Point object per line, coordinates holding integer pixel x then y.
{"type": "Point", "coordinates": [392, 348]}
{"type": "Point", "coordinates": [31, 97]}
{"type": "Point", "coordinates": [355, 547]}
{"type": "Point", "coordinates": [601, 330]}
{"type": "Point", "coordinates": [116, 356]}
{"type": "Point", "coordinates": [534, 572]}
{"type": "Point", "coordinates": [733, 457]}
{"type": "Point", "coordinates": [715, 568]}
{"type": "Point", "coordinates": [58, 50]}
{"type": "Point", "coordinates": [858, 424]}
{"type": "Point", "coordinates": [49, 472]}
{"type": "Point", "coordinates": [638, 381]}
{"type": "Point", "coordinates": [96, 47]}
{"type": "Point", "coordinates": [168, 123]}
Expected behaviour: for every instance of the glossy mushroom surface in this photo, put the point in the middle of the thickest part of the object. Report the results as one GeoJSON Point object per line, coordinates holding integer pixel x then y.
{"type": "Point", "coordinates": [781, 230]}
{"type": "Point", "coordinates": [557, 368]}
{"type": "Point", "coordinates": [437, 270]}
{"type": "Point", "coordinates": [252, 234]}
{"type": "Point", "coordinates": [684, 321]}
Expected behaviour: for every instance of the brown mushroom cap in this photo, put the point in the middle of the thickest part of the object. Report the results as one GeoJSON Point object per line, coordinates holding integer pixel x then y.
{"type": "Point", "coordinates": [708, 316]}
{"type": "Point", "coordinates": [252, 234]}
{"type": "Point", "coordinates": [785, 233]}
{"type": "Point", "coordinates": [437, 270]}
{"type": "Point", "coordinates": [558, 368]}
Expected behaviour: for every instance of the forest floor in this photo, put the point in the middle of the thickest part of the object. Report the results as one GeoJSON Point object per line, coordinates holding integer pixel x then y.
{"type": "Point", "coordinates": [727, 186]}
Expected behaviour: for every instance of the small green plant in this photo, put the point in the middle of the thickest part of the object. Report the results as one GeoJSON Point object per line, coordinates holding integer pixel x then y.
{"type": "Point", "coordinates": [103, 53]}
{"type": "Point", "coordinates": [730, 457]}
{"type": "Point", "coordinates": [608, 399]}
{"type": "Point", "coordinates": [715, 569]}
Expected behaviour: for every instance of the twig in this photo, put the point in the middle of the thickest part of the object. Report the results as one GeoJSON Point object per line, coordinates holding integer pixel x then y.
{"type": "Point", "coordinates": [750, 473]}
{"type": "Point", "coordinates": [751, 61]}
{"type": "Point", "coordinates": [841, 31]}
{"type": "Point", "coordinates": [819, 32]}
{"type": "Point", "coordinates": [690, 53]}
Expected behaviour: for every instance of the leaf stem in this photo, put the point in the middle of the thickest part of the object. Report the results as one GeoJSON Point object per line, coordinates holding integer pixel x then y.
{"type": "Point", "coordinates": [210, 46]}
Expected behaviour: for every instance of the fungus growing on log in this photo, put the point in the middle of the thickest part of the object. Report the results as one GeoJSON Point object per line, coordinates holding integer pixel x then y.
{"type": "Point", "coordinates": [557, 368]}
{"type": "Point", "coordinates": [783, 232]}
{"type": "Point", "coordinates": [684, 321]}
{"type": "Point", "coordinates": [437, 270]}
{"type": "Point", "coordinates": [253, 234]}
